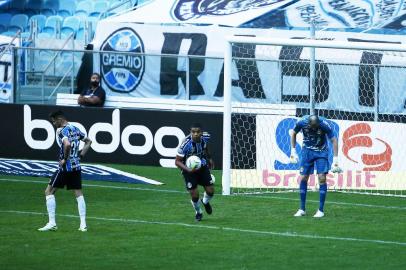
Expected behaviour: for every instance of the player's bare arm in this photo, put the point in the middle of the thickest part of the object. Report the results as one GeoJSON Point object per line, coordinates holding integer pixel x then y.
{"type": "Point", "coordinates": [66, 151]}
{"type": "Point", "coordinates": [180, 165]}
{"type": "Point", "coordinates": [92, 100]}
{"type": "Point", "coordinates": [293, 139]}
{"type": "Point", "coordinates": [209, 158]}
{"type": "Point", "coordinates": [86, 147]}
{"type": "Point", "coordinates": [293, 155]}
{"type": "Point", "coordinates": [334, 141]}
{"type": "Point", "coordinates": [336, 168]}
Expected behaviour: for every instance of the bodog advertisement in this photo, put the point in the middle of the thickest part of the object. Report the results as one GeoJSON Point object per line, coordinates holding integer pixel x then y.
{"type": "Point", "coordinates": [138, 137]}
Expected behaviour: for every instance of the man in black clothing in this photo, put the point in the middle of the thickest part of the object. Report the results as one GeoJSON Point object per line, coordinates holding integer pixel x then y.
{"type": "Point", "coordinates": [95, 95]}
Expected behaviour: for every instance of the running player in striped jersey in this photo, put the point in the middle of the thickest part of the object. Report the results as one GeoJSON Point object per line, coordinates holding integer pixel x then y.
{"type": "Point", "coordinates": [196, 144]}
{"type": "Point", "coordinates": [69, 172]}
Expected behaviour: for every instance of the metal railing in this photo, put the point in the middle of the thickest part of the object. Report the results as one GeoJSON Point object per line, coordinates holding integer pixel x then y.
{"type": "Point", "coordinates": [106, 12]}
{"type": "Point", "coordinates": [58, 77]}
{"type": "Point", "coordinates": [7, 49]}
{"type": "Point", "coordinates": [70, 38]}
{"type": "Point", "coordinates": [60, 82]}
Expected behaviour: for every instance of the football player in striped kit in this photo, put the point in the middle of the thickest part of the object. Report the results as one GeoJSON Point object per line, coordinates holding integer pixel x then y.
{"type": "Point", "coordinates": [197, 144]}
{"type": "Point", "coordinates": [69, 171]}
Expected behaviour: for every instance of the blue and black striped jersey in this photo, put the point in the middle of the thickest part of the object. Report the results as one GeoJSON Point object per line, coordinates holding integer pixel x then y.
{"type": "Point", "coordinates": [74, 135]}
{"type": "Point", "coordinates": [190, 148]}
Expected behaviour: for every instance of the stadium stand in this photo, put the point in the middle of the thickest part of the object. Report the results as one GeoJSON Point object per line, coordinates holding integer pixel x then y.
{"type": "Point", "coordinates": [5, 20]}
{"type": "Point", "coordinates": [19, 14]}
{"type": "Point", "coordinates": [40, 21]}
{"type": "Point", "coordinates": [49, 8]}
{"type": "Point", "coordinates": [70, 26]}
{"type": "Point", "coordinates": [52, 26]}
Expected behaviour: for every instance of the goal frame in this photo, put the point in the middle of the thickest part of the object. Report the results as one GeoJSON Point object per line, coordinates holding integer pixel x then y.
{"type": "Point", "coordinates": [309, 43]}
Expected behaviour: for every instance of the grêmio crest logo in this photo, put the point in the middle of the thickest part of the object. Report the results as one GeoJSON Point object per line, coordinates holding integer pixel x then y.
{"type": "Point", "coordinates": [184, 10]}
{"type": "Point", "coordinates": [122, 72]}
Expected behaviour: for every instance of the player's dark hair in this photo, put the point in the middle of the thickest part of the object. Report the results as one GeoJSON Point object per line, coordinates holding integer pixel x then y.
{"type": "Point", "coordinates": [97, 74]}
{"type": "Point", "coordinates": [57, 114]}
{"type": "Point", "coordinates": [314, 117]}
{"type": "Point", "coordinates": [196, 125]}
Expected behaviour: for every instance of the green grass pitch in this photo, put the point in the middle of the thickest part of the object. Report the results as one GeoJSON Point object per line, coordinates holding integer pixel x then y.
{"type": "Point", "coordinates": [153, 227]}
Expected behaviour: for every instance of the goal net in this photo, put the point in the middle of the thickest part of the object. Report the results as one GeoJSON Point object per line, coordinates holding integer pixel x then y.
{"type": "Point", "coordinates": [359, 87]}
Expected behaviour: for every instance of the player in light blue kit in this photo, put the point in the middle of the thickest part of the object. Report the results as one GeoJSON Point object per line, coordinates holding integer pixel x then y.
{"type": "Point", "coordinates": [315, 151]}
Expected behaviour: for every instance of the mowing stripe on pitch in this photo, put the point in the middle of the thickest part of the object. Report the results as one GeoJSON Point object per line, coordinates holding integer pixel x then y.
{"type": "Point", "coordinates": [184, 192]}
{"type": "Point", "coordinates": [332, 202]}
{"type": "Point", "coordinates": [94, 185]}
{"type": "Point", "coordinates": [231, 229]}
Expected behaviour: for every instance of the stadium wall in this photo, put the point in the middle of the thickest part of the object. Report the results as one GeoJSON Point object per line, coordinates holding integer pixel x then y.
{"type": "Point", "coordinates": [126, 136]}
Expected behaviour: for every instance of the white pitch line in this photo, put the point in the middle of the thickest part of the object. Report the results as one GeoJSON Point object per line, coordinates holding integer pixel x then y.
{"type": "Point", "coordinates": [94, 185]}
{"type": "Point", "coordinates": [183, 192]}
{"type": "Point", "coordinates": [337, 203]}
{"type": "Point", "coordinates": [239, 230]}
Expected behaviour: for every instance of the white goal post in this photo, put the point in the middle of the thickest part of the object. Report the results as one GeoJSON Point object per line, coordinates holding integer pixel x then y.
{"type": "Point", "coordinates": [365, 92]}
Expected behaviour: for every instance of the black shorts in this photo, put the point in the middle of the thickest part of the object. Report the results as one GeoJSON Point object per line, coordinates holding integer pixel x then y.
{"type": "Point", "coordinates": [72, 180]}
{"type": "Point", "coordinates": [200, 177]}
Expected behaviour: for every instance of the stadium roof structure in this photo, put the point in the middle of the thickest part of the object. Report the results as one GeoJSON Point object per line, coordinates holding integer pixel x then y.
{"type": "Point", "coordinates": [374, 16]}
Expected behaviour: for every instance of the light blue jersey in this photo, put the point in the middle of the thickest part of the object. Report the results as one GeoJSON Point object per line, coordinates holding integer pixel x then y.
{"type": "Point", "coordinates": [314, 139]}
{"type": "Point", "coordinates": [74, 135]}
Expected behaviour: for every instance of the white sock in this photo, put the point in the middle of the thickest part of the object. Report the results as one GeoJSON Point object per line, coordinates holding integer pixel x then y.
{"type": "Point", "coordinates": [206, 198]}
{"type": "Point", "coordinates": [51, 205]}
{"type": "Point", "coordinates": [196, 206]}
{"type": "Point", "coordinates": [82, 210]}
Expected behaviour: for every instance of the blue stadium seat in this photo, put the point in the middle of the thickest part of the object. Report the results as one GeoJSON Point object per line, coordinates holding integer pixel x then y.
{"type": "Point", "coordinates": [80, 34]}
{"type": "Point", "coordinates": [64, 13]}
{"type": "Point", "coordinates": [85, 5]}
{"type": "Point", "coordinates": [5, 19]}
{"type": "Point", "coordinates": [18, 22]}
{"type": "Point", "coordinates": [9, 33]}
{"type": "Point", "coordinates": [67, 32]}
{"type": "Point", "coordinates": [41, 19]}
{"type": "Point", "coordinates": [47, 12]}
{"type": "Point", "coordinates": [49, 31]}
{"type": "Point", "coordinates": [66, 8]}
{"type": "Point", "coordinates": [52, 21]}
{"type": "Point", "coordinates": [2, 28]}
{"type": "Point", "coordinates": [119, 8]}
{"type": "Point", "coordinates": [72, 22]}
{"type": "Point", "coordinates": [18, 5]}
{"type": "Point", "coordinates": [70, 25]}
{"type": "Point", "coordinates": [99, 7]}
{"type": "Point", "coordinates": [25, 35]}
{"type": "Point", "coordinates": [50, 8]}
{"type": "Point", "coordinates": [34, 6]}
{"type": "Point", "coordinates": [81, 14]}
{"type": "Point", "coordinates": [115, 3]}
{"type": "Point", "coordinates": [94, 14]}
{"type": "Point", "coordinates": [108, 14]}
{"type": "Point", "coordinates": [94, 21]}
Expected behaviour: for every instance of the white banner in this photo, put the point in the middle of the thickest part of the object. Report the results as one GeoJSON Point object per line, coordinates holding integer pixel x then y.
{"type": "Point", "coordinates": [165, 77]}
{"type": "Point", "coordinates": [370, 154]}
{"type": "Point", "coordinates": [6, 69]}
{"type": "Point", "coordinates": [345, 13]}
{"type": "Point", "coordinates": [227, 13]}
{"type": "Point", "coordinates": [376, 15]}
